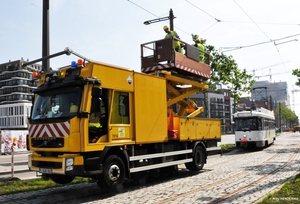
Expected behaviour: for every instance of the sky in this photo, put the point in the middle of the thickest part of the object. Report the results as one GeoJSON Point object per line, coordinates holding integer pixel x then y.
{"type": "Point", "coordinates": [262, 36]}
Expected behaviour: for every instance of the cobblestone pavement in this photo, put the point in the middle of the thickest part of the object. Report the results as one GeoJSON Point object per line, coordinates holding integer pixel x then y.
{"type": "Point", "coordinates": [241, 176]}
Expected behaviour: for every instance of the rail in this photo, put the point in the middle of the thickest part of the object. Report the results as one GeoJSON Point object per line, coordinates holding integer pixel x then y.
{"type": "Point", "coordinates": [161, 55]}
{"type": "Point", "coordinates": [156, 52]}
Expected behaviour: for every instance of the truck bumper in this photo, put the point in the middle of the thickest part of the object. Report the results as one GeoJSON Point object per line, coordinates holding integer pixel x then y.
{"type": "Point", "coordinates": [66, 164]}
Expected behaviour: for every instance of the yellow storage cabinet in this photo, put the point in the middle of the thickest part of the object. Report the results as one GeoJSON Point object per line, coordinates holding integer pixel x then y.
{"type": "Point", "coordinates": [199, 129]}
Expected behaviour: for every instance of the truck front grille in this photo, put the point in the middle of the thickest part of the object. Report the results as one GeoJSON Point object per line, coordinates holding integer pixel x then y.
{"type": "Point", "coordinates": [47, 142]}
{"type": "Point", "coordinates": [43, 164]}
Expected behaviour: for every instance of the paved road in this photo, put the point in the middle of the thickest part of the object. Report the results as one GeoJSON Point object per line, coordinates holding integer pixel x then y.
{"type": "Point", "coordinates": [241, 176]}
{"type": "Point", "coordinates": [20, 167]}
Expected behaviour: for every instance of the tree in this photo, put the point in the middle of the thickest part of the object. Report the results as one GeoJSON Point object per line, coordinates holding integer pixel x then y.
{"type": "Point", "coordinates": [296, 72]}
{"type": "Point", "coordinates": [225, 70]}
{"type": "Point", "coordinates": [286, 115]}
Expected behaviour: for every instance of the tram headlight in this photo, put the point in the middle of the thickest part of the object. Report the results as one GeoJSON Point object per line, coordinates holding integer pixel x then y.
{"type": "Point", "coordinates": [245, 136]}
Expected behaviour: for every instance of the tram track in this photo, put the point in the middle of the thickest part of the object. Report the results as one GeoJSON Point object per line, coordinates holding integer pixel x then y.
{"type": "Point", "coordinates": [258, 180]}
{"type": "Point", "coordinates": [224, 179]}
{"type": "Point", "coordinates": [236, 158]}
{"type": "Point", "coordinates": [236, 176]}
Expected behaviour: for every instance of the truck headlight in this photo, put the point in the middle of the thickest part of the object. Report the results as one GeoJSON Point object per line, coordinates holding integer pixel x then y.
{"type": "Point", "coordinates": [69, 162]}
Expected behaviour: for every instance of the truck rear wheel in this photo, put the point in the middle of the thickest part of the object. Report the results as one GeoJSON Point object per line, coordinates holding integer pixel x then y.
{"type": "Point", "coordinates": [113, 174]}
{"type": "Point", "coordinates": [198, 160]}
{"type": "Point", "coordinates": [61, 179]}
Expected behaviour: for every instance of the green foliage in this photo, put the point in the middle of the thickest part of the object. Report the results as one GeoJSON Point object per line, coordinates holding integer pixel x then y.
{"type": "Point", "coordinates": [296, 72]}
{"type": "Point", "coordinates": [289, 193]}
{"type": "Point", "coordinates": [227, 146]}
{"type": "Point", "coordinates": [286, 114]}
{"type": "Point", "coordinates": [225, 70]}
{"type": "Point", "coordinates": [32, 184]}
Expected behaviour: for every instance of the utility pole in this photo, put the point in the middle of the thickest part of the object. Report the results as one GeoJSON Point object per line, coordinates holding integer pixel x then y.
{"type": "Point", "coordinates": [280, 127]}
{"type": "Point", "coordinates": [170, 17]}
{"type": "Point", "coordinates": [271, 103]}
{"type": "Point", "coordinates": [45, 37]}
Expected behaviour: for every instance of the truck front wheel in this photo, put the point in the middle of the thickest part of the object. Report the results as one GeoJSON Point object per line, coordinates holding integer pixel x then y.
{"type": "Point", "coordinates": [113, 174]}
{"type": "Point", "coordinates": [198, 160]}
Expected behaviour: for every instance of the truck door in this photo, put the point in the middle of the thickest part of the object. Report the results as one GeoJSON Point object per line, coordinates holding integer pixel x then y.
{"type": "Point", "coordinates": [119, 126]}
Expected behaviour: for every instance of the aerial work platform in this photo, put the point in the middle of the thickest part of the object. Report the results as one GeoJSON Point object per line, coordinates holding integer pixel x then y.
{"type": "Point", "coordinates": [161, 55]}
{"type": "Point", "coordinates": [184, 74]}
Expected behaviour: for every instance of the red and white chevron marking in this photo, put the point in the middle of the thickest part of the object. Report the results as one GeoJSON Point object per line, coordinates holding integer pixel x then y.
{"type": "Point", "coordinates": [188, 69]}
{"type": "Point", "coordinates": [50, 130]}
{"type": "Point", "coordinates": [192, 70]}
{"type": "Point", "coordinates": [161, 66]}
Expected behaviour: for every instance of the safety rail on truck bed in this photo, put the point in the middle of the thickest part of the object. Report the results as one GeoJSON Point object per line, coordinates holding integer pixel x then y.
{"type": "Point", "coordinates": [161, 55]}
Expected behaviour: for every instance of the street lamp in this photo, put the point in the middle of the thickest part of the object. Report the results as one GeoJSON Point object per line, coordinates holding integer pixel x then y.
{"type": "Point", "coordinates": [170, 17]}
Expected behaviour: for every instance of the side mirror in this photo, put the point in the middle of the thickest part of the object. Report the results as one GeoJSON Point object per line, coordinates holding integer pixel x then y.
{"type": "Point", "coordinates": [96, 92]}
{"type": "Point", "coordinates": [96, 105]}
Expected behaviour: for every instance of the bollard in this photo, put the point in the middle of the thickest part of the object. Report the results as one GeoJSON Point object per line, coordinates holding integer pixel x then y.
{"type": "Point", "coordinates": [12, 161]}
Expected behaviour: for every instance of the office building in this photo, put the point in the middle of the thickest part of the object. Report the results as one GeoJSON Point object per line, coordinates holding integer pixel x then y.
{"type": "Point", "coordinates": [16, 96]}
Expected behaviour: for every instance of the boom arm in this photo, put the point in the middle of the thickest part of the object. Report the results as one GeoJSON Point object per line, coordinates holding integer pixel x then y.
{"type": "Point", "coordinates": [177, 95]}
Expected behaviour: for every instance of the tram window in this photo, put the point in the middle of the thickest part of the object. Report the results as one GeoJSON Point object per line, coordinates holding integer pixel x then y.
{"type": "Point", "coordinates": [253, 125]}
{"type": "Point", "coordinates": [259, 124]}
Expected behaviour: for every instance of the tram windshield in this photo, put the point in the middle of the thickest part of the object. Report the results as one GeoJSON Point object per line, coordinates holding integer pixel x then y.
{"type": "Point", "coordinates": [247, 124]}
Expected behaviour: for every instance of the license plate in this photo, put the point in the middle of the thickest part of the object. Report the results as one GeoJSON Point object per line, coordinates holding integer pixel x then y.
{"type": "Point", "coordinates": [45, 171]}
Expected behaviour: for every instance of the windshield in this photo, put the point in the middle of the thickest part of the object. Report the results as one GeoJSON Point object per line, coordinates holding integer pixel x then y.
{"type": "Point", "coordinates": [246, 124]}
{"type": "Point", "coordinates": [57, 104]}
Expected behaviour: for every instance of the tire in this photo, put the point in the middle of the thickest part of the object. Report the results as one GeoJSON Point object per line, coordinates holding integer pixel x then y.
{"type": "Point", "coordinates": [198, 160]}
{"type": "Point", "coordinates": [61, 179]}
{"type": "Point", "coordinates": [113, 174]}
{"type": "Point", "coordinates": [266, 144]}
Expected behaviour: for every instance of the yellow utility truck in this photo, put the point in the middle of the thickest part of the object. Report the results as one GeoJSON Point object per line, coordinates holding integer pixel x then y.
{"type": "Point", "coordinates": [95, 120]}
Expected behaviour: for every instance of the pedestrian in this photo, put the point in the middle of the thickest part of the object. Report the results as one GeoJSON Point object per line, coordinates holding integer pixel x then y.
{"type": "Point", "coordinates": [200, 46]}
{"type": "Point", "coordinates": [171, 34]}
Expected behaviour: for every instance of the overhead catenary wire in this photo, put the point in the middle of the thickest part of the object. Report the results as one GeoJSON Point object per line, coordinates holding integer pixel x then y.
{"type": "Point", "coordinates": [261, 43]}
{"type": "Point", "coordinates": [276, 42]}
{"type": "Point", "coordinates": [269, 66]}
{"type": "Point", "coordinates": [142, 8]}
{"type": "Point", "coordinates": [276, 45]}
{"type": "Point", "coordinates": [265, 23]}
{"type": "Point", "coordinates": [218, 20]}
{"type": "Point", "coordinates": [188, 33]}
{"type": "Point", "coordinates": [252, 20]}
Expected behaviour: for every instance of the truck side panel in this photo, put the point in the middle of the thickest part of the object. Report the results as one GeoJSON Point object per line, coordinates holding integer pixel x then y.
{"type": "Point", "coordinates": [199, 129]}
{"type": "Point", "coordinates": [114, 77]}
{"type": "Point", "coordinates": [150, 109]}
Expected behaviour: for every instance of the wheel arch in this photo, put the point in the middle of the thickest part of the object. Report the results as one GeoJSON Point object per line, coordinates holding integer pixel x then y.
{"type": "Point", "coordinates": [118, 151]}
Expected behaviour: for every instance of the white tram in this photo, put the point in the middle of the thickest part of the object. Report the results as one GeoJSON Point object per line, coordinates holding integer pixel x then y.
{"type": "Point", "coordinates": [254, 128]}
